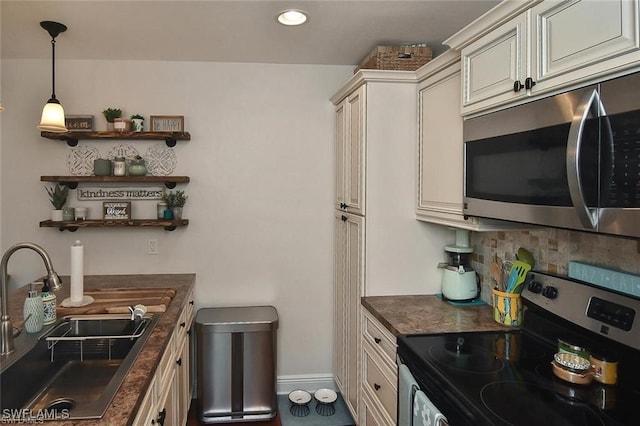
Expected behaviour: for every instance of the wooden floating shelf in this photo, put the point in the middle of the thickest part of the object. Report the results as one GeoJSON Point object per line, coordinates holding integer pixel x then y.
{"type": "Point", "coordinates": [73, 181]}
{"type": "Point", "coordinates": [73, 225]}
{"type": "Point", "coordinates": [72, 138]}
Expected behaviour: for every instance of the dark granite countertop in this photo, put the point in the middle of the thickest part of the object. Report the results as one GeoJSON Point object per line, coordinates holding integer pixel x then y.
{"type": "Point", "coordinates": [415, 314]}
{"type": "Point", "coordinates": [128, 398]}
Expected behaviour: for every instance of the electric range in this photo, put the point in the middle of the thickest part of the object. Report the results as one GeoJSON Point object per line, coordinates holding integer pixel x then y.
{"type": "Point", "coordinates": [506, 377]}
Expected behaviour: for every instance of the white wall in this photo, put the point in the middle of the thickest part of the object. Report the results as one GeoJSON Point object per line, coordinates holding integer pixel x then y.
{"type": "Point", "coordinates": [260, 198]}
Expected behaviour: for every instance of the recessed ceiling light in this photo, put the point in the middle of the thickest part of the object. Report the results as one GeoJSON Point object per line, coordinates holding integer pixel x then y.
{"type": "Point", "coordinates": [292, 17]}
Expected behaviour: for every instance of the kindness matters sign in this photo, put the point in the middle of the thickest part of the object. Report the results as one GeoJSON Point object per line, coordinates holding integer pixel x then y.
{"type": "Point", "coordinates": [120, 193]}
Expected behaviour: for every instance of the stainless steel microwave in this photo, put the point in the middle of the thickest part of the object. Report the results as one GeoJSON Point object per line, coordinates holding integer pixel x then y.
{"type": "Point", "coordinates": [567, 161]}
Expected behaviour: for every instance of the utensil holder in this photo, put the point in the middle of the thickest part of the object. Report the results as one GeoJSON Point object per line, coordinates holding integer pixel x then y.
{"type": "Point", "coordinates": [507, 308]}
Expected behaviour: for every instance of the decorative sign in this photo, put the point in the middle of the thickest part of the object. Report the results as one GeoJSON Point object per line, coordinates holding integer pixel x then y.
{"type": "Point", "coordinates": [88, 193]}
{"type": "Point", "coordinates": [166, 123]}
{"type": "Point", "coordinates": [116, 210]}
{"type": "Point", "coordinates": [79, 123]}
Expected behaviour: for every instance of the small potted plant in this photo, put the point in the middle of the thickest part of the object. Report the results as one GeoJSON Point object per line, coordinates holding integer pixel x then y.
{"type": "Point", "coordinates": [175, 202]}
{"type": "Point", "coordinates": [137, 122]}
{"type": "Point", "coordinates": [110, 114]}
{"type": "Point", "coordinates": [58, 197]}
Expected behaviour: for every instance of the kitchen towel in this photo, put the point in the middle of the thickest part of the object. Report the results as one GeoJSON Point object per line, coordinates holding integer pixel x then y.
{"type": "Point", "coordinates": [405, 395]}
{"type": "Point", "coordinates": [424, 412]}
{"type": "Point", "coordinates": [77, 272]}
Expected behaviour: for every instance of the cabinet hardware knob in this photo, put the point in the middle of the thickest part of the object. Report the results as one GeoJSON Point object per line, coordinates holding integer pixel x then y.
{"type": "Point", "coordinates": [344, 218]}
{"type": "Point", "coordinates": [162, 415]}
{"type": "Point", "coordinates": [377, 339]}
{"type": "Point", "coordinates": [191, 302]}
{"type": "Point", "coordinates": [529, 83]}
{"type": "Point", "coordinates": [517, 86]}
{"type": "Point", "coordinates": [179, 361]}
{"type": "Point", "coordinates": [376, 386]}
{"type": "Point", "coordinates": [189, 332]}
{"type": "Point", "coordinates": [183, 324]}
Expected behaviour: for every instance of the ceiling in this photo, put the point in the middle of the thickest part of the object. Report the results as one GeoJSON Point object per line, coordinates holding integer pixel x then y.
{"type": "Point", "coordinates": [337, 32]}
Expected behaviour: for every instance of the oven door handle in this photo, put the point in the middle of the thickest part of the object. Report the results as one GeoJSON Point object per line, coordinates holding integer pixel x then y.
{"type": "Point", "coordinates": [589, 100]}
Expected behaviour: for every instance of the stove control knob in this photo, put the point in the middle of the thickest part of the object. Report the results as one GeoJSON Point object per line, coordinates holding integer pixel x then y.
{"type": "Point", "coordinates": [550, 292]}
{"type": "Point", "coordinates": [535, 287]}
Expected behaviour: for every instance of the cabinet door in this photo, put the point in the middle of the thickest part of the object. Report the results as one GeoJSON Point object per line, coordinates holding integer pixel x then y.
{"type": "Point", "coordinates": [575, 39]}
{"type": "Point", "coordinates": [349, 288]}
{"type": "Point", "coordinates": [492, 64]}
{"type": "Point", "coordinates": [183, 384]}
{"type": "Point", "coordinates": [350, 152]}
{"type": "Point", "coordinates": [340, 305]}
{"type": "Point", "coordinates": [440, 146]}
{"type": "Point", "coordinates": [341, 142]}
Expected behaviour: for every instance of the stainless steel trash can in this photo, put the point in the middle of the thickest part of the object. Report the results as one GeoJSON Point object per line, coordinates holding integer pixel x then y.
{"type": "Point", "coordinates": [236, 363]}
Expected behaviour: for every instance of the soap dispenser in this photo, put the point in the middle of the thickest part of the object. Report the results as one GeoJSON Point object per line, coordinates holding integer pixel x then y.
{"type": "Point", "coordinates": [49, 303]}
{"type": "Point", "coordinates": [33, 311]}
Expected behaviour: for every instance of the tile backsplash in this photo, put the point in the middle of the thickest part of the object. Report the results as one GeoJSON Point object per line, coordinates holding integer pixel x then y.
{"type": "Point", "coordinates": [552, 250]}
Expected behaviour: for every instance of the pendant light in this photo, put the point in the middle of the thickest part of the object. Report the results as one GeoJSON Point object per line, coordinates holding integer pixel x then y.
{"type": "Point", "coordinates": [53, 113]}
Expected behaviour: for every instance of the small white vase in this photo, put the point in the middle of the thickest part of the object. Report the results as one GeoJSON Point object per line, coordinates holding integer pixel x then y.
{"type": "Point", "coordinates": [56, 215]}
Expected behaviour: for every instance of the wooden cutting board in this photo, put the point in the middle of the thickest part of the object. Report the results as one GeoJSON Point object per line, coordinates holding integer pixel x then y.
{"type": "Point", "coordinates": [118, 300]}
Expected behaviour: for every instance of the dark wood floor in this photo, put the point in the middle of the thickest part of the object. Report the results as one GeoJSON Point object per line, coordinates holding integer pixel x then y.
{"type": "Point", "coordinates": [193, 419]}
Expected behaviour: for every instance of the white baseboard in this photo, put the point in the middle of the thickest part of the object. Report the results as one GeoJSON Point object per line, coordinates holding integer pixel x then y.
{"type": "Point", "coordinates": [310, 383]}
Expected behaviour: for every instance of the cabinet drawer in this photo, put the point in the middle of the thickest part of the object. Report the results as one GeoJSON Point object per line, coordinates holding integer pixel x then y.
{"type": "Point", "coordinates": [147, 412]}
{"type": "Point", "coordinates": [380, 381]}
{"type": "Point", "coordinates": [370, 414]}
{"type": "Point", "coordinates": [380, 339]}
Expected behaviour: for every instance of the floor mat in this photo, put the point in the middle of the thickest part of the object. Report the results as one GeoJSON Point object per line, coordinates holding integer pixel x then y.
{"type": "Point", "coordinates": [341, 417]}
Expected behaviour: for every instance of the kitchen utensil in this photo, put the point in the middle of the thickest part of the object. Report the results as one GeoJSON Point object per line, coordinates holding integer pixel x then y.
{"type": "Point", "coordinates": [507, 308]}
{"type": "Point", "coordinates": [525, 256]}
{"type": "Point", "coordinates": [506, 269]}
{"type": "Point", "coordinates": [572, 361]}
{"type": "Point", "coordinates": [496, 271]}
{"type": "Point", "coordinates": [517, 276]}
{"type": "Point", "coordinates": [572, 368]}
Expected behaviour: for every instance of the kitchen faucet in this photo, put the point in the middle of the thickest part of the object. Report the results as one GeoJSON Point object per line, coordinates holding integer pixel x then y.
{"type": "Point", "coordinates": [55, 283]}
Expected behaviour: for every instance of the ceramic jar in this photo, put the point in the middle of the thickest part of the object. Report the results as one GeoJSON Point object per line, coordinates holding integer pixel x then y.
{"type": "Point", "coordinates": [119, 166]}
{"type": "Point", "coordinates": [137, 167]}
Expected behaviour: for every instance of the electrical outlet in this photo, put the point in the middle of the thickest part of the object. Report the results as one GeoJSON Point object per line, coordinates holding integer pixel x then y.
{"type": "Point", "coordinates": [152, 246]}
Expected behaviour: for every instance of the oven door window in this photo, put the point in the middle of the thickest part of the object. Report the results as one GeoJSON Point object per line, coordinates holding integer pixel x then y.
{"type": "Point", "coordinates": [530, 167]}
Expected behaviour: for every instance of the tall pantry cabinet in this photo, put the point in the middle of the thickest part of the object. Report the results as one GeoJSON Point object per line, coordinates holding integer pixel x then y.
{"type": "Point", "coordinates": [380, 247]}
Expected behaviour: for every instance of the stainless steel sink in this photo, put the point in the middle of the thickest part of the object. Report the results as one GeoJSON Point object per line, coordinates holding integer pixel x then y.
{"type": "Point", "coordinates": [75, 368]}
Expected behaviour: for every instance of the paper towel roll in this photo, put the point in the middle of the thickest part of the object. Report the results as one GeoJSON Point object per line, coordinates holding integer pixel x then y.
{"type": "Point", "coordinates": [77, 272]}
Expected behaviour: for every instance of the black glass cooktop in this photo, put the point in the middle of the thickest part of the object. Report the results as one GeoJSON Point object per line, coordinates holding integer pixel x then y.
{"type": "Point", "coordinates": [506, 378]}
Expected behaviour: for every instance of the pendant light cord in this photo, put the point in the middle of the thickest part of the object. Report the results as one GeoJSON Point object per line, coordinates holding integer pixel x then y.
{"type": "Point", "coordinates": [53, 68]}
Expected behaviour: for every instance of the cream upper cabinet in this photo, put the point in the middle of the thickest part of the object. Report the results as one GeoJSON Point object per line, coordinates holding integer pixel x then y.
{"type": "Point", "coordinates": [350, 152]}
{"type": "Point", "coordinates": [440, 187]}
{"type": "Point", "coordinates": [495, 66]}
{"type": "Point", "coordinates": [553, 46]}
{"type": "Point", "coordinates": [573, 40]}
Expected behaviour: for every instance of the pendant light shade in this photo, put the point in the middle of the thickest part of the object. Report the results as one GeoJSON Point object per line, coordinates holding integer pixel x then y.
{"type": "Point", "coordinates": [53, 113]}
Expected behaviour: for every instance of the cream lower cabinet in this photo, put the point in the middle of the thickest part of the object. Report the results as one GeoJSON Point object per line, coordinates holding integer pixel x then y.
{"type": "Point", "coordinates": [349, 288]}
{"type": "Point", "coordinates": [554, 45]}
{"type": "Point", "coordinates": [379, 374]}
{"type": "Point", "coordinates": [169, 396]}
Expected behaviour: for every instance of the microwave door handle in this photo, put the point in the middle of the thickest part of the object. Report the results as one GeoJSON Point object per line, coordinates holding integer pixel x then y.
{"type": "Point", "coordinates": [590, 99]}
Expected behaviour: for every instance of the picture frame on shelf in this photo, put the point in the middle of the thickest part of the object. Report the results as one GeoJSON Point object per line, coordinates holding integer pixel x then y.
{"type": "Point", "coordinates": [166, 123]}
{"type": "Point", "coordinates": [79, 123]}
{"type": "Point", "coordinates": [116, 210]}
